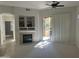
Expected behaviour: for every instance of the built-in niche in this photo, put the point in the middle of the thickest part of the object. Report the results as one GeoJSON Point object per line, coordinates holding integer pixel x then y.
{"type": "Point", "coordinates": [26, 22]}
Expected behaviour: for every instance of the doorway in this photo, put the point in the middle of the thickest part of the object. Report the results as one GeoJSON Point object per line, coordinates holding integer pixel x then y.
{"type": "Point", "coordinates": [47, 28]}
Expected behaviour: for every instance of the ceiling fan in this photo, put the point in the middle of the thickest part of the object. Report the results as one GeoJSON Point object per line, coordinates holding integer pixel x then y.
{"type": "Point", "coordinates": [55, 4]}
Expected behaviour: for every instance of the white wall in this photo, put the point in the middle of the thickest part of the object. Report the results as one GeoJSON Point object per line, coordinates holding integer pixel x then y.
{"type": "Point", "coordinates": [77, 28]}
{"type": "Point", "coordinates": [38, 19]}
{"type": "Point", "coordinates": [5, 9]}
{"type": "Point", "coordinates": [61, 31]}
{"type": "Point", "coordinates": [22, 11]}
{"type": "Point", "coordinates": [17, 11]}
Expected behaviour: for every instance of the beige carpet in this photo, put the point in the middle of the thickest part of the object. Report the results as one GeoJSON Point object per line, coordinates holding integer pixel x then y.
{"type": "Point", "coordinates": [46, 49]}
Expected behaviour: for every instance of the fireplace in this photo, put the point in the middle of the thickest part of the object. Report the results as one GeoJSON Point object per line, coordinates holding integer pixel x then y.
{"type": "Point", "coordinates": [27, 38]}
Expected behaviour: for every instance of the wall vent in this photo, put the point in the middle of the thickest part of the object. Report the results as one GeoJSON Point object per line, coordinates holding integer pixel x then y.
{"type": "Point", "coordinates": [27, 9]}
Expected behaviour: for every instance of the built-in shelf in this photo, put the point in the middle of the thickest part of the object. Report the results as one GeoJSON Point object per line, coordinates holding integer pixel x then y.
{"type": "Point", "coordinates": [26, 23]}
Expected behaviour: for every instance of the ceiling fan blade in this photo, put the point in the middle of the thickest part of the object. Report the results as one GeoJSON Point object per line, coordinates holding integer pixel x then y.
{"type": "Point", "coordinates": [55, 2]}
{"type": "Point", "coordinates": [60, 6]}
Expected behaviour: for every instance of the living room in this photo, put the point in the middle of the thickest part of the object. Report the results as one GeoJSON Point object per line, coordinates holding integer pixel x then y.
{"type": "Point", "coordinates": [24, 20]}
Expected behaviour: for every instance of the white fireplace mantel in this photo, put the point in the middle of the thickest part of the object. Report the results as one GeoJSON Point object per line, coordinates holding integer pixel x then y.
{"type": "Point", "coordinates": [26, 31]}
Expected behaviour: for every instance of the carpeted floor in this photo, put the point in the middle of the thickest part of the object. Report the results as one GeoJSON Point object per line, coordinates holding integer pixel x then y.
{"type": "Point", "coordinates": [46, 49]}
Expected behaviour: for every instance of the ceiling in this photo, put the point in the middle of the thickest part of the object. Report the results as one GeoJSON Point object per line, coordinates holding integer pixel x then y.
{"type": "Point", "coordinates": [37, 4]}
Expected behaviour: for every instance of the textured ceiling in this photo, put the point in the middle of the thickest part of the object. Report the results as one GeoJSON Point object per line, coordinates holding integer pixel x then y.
{"type": "Point", "coordinates": [36, 4]}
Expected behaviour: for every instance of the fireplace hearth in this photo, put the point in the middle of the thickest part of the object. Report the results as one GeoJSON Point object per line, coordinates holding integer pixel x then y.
{"type": "Point", "coordinates": [27, 38]}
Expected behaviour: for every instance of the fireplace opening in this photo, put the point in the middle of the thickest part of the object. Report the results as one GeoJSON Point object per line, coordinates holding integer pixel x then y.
{"type": "Point", "coordinates": [27, 38]}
